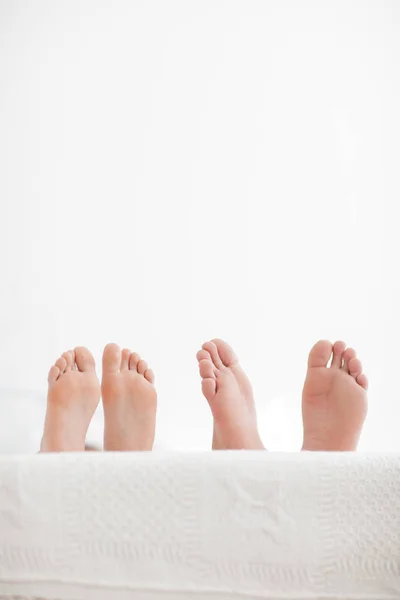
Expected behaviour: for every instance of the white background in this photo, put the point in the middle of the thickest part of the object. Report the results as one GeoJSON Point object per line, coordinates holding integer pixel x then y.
{"type": "Point", "coordinates": [174, 171]}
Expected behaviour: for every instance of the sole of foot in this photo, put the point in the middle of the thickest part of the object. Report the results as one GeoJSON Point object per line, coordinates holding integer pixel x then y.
{"type": "Point", "coordinates": [74, 393]}
{"type": "Point", "coordinates": [334, 398]}
{"type": "Point", "coordinates": [129, 400]}
{"type": "Point", "coordinates": [228, 391]}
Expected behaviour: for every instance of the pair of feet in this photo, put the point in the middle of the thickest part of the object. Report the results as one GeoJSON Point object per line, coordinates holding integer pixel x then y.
{"type": "Point", "coordinates": [334, 403]}
{"type": "Point", "coordinates": [129, 401]}
{"type": "Point", "coordinates": [334, 400]}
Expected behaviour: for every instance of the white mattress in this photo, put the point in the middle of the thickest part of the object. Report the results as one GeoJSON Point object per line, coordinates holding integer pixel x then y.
{"type": "Point", "coordinates": [215, 526]}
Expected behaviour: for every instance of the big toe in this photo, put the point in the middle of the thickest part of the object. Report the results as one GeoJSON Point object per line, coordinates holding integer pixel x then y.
{"type": "Point", "coordinates": [320, 354]}
{"type": "Point", "coordinates": [226, 353]}
{"type": "Point", "coordinates": [84, 359]}
{"type": "Point", "coordinates": [111, 358]}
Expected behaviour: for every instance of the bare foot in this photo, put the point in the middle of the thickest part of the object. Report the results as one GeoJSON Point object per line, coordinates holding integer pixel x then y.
{"type": "Point", "coordinates": [74, 393]}
{"type": "Point", "coordinates": [334, 399]}
{"type": "Point", "coordinates": [129, 399]}
{"type": "Point", "coordinates": [230, 396]}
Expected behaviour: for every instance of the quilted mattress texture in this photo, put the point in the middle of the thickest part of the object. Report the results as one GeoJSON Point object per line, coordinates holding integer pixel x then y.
{"type": "Point", "coordinates": [201, 526]}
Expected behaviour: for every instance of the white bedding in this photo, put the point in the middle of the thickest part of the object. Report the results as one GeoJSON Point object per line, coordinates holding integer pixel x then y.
{"type": "Point", "coordinates": [211, 526]}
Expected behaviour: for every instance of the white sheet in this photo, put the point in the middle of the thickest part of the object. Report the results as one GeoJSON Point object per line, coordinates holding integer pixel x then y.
{"type": "Point", "coordinates": [213, 526]}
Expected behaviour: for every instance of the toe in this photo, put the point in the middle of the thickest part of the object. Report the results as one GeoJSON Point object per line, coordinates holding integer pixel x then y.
{"type": "Point", "coordinates": [84, 359]}
{"type": "Point", "coordinates": [226, 353]}
{"type": "Point", "coordinates": [149, 375]}
{"type": "Point", "coordinates": [68, 359]}
{"type": "Point", "coordinates": [54, 373]}
{"type": "Point", "coordinates": [142, 367]}
{"type": "Point", "coordinates": [355, 367]}
{"type": "Point", "coordinates": [338, 350]}
{"type": "Point", "coordinates": [362, 380]}
{"type": "Point", "coordinates": [125, 356]}
{"type": "Point", "coordinates": [111, 358]}
{"type": "Point", "coordinates": [320, 354]}
{"type": "Point", "coordinates": [348, 355]}
{"type": "Point", "coordinates": [61, 363]}
{"type": "Point", "coordinates": [74, 365]}
{"type": "Point", "coordinates": [206, 369]}
{"type": "Point", "coordinates": [203, 355]}
{"type": "Point", "coordinates": [133, 361]}
{"type": "Point", "coordinates": [212, 349]}
{"type": "Point", "coordinates": [209, 387]}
